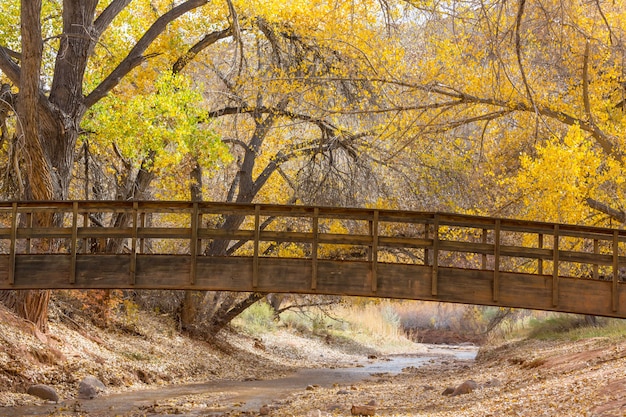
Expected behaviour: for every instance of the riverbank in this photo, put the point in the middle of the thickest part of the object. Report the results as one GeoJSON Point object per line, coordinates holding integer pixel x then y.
{"type": "Point", "coordinates": [149, 369]}
{"type": "Point", "coordinates": [522, 378]}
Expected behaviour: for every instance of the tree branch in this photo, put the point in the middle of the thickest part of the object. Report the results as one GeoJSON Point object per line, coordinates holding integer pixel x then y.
{"type": "Point", "coordinates": [201, 45]}
{"type": "Point", "coordinates": [106, 17]}
{"type": "Point", "coordinates": [135, 56]}
{"type": "Point", "coordinates": [615, 214]}
{"type": "Point", "coordinates": [9, 66]}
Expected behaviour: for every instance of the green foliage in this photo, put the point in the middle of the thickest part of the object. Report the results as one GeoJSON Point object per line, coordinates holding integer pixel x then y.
{"type": "Point", "coordinates": [169, 121]}
{"type": "Point", "coordinates": [257, 319]}
{"type": "Point", "coordinates": [575, 327]}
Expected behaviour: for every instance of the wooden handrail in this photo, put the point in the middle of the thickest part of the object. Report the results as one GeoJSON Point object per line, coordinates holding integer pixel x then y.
{"type": "Point", "coordinates": [453, 234]}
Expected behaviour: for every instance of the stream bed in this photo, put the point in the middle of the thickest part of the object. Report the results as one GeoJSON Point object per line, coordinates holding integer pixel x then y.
{"type": "Point", "coordinates": [217, 398]}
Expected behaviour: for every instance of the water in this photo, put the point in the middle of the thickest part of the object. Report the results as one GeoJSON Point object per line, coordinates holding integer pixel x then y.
{"type": "Point", "coordinates": [222, 396]}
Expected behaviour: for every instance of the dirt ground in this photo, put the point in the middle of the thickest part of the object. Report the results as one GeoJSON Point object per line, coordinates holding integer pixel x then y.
{"type": "Point", "coordinates": [521, 378]}
{"type": "Point", "coordinates": [524, 378]}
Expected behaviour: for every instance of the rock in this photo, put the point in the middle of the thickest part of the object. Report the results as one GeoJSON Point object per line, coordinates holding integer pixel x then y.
{"type": "Point", "coordinates": [44, 392]}
{"type": "Point", "coordinates": [465, 388]}
{"type": "Point", "coordinates": [342, 392]}
{"type": "Point", "coordinates": [363, 410]}
{"type": "Point", "coordinates": [145, 376]}
{"type": "Point", "coordinates": [428, 388]}
{"type": "Point", "coordinates": [90, 387]}
{"type": "Point", "coordinates": [372, 357]}
{"type": "Point", "coordinates": [265, 410]}
{"type": "Point", "coordinates": [310, 387]}
{"type": "Point", "coordinates": [493, 383]}
{"type": "Point", "coordinates": [448, 391]}
{"type": "Point", "coordinates": [334, 408]}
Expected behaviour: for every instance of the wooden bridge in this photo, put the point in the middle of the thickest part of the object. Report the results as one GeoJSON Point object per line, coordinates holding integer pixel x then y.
{"type": "Point", "coordinates": [318, 250]}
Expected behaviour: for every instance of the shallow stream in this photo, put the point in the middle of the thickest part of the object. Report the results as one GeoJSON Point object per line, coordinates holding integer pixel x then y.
{"type": "Point", "coordinates": [218, 397]}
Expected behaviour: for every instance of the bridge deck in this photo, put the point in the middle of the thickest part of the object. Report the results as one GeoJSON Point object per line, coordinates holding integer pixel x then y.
{"type": "Point", "coordinates": [320, 250]}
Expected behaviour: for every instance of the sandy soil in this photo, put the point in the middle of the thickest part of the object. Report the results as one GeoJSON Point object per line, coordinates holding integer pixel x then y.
{"type": "Point", "coordinates": [525, 378]}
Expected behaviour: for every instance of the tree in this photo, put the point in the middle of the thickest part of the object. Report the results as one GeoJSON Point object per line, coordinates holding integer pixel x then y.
{"type": "Point", "coordinates": [49, 121]}
{"type": "Point", "coordinates": [93, 50]}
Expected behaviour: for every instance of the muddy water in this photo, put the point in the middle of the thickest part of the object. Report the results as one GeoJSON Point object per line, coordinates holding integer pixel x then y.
{"type": "Point", "coordinates": [219, 397]}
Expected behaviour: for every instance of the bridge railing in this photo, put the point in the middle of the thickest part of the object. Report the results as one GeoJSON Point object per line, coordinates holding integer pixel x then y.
{"type": "Point", "coordinates": [374, 236]}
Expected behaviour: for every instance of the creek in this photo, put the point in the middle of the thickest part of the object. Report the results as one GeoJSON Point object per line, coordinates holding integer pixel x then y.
{"type": "Point", "coordinates": [217, 398]}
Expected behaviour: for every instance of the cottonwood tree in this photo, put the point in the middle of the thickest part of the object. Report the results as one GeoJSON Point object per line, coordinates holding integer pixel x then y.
{"type": "Point", "coordinates": [48, 79]}
{"type": "Point", "coordinates": [288, 114]}
{"type": "Point", "coordinates": [499, 79]}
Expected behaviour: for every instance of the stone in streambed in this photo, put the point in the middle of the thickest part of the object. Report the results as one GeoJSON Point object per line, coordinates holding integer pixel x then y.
{"type": "Point", "coordinates": [44, 392]}
{"type": "Point", "coordinates": [90, 387]}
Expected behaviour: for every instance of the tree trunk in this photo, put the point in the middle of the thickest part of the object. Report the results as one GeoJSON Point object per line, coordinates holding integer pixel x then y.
{"type": "Point", "coordinates": [49, 127]}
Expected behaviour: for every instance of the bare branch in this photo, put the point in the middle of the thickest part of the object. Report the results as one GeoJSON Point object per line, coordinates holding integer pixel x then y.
{"type": "Point", "coordinates": [9, 66]}
{"type": "Point", "coordinates": [586, 83]}
{"type": "Point", "coordinates": [613, 213]}
{"type": "Point", "coordinates": [201, 45]}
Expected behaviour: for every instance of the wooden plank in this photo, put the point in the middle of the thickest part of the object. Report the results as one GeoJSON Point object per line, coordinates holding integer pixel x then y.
{"type": "Point", "coordinates": [44, 232]}
{"type": "Point", "coordinates": [404, 242]}
{"type": "Point", "coordinates": [496, 261]}
{"type": "Point", "coordinates": [163, 233]}
{"type": "Point", "coordinates": [193, 244]}
{"type": "Point", "coordinates": [596, 251]}
{"type": "Point", "coordinates": [73, 243]}
{"type": "Point", "coordinates": [142, 225]}
{"type": "Point", "coordinates": [314, 247]}
{"type": "Point", "coordinates": [29, 225]}
{"type": "Point", "coordinates": [430, 243]}
{"type": "Point", "coordinates": [85, 226]}
{"type": "Point", "coordinates": [374, 252]}
{"type": "Point", "coordinates": [12, 245]}
{"type": "Point", "coordinates": [133, 244]}
{"type": "Point", "coordinates": [555, 267]}
{"type": "Point", "coordinates": [483, 258]}
{"type": "Point", "coordinates": [257, 233]}
{"type": "Point", "coordinates": [614, 286]}
{"type": "Point", "coordinates": [540, 260]}
{"type": "Point", "coordinates": [435, 263]}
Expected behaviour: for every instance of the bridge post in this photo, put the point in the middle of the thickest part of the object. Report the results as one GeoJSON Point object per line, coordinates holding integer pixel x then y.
{"type": "Point", "coordinates": [257, 236]}
{"type": "Point", "coordinates": [435, 265]}
{"type": "Point", "coordinates": [29, 224]}
{"type": "Point", "coordinates": [483, 257]}
{"type": "Point", "coordinates": [314, 247]}
{"type": "Point", "coordinates": [555, 267]}
{"type": "Point", "coordinates": [596, 250]}
{"type": "Point", "coordinates": [12, 244]}
{"type": "Point", "coordinates": [426, 251]}
{"type": "Point", "coordinates": [496, 261]}
{"type": "Point", "coordinates": [540, 260]}
{"type": "Point", "coordinates": [614, 287]}
{"type": "Point", "coordinates": [73, 242]}
{"type": "Point", "coordinates": [133, 244]}
{"type": "Point", "coordinates": [193, 243]}
{"type": "Point", "coordinates": [374, 251]}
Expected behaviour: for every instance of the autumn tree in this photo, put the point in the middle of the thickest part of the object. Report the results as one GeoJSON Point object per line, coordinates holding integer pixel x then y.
{"type": "Point", "coordinates": [500, 79]}
{"type": "Point", "coordinates": [47, 82]}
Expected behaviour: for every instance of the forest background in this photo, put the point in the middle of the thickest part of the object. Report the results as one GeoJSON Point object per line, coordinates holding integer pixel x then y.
{"type": "Point", "coordinates": [500, 108]}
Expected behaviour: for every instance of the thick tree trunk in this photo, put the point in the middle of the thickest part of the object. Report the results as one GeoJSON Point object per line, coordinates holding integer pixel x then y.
{"type": "Point", "coordinates": [49, 135]}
